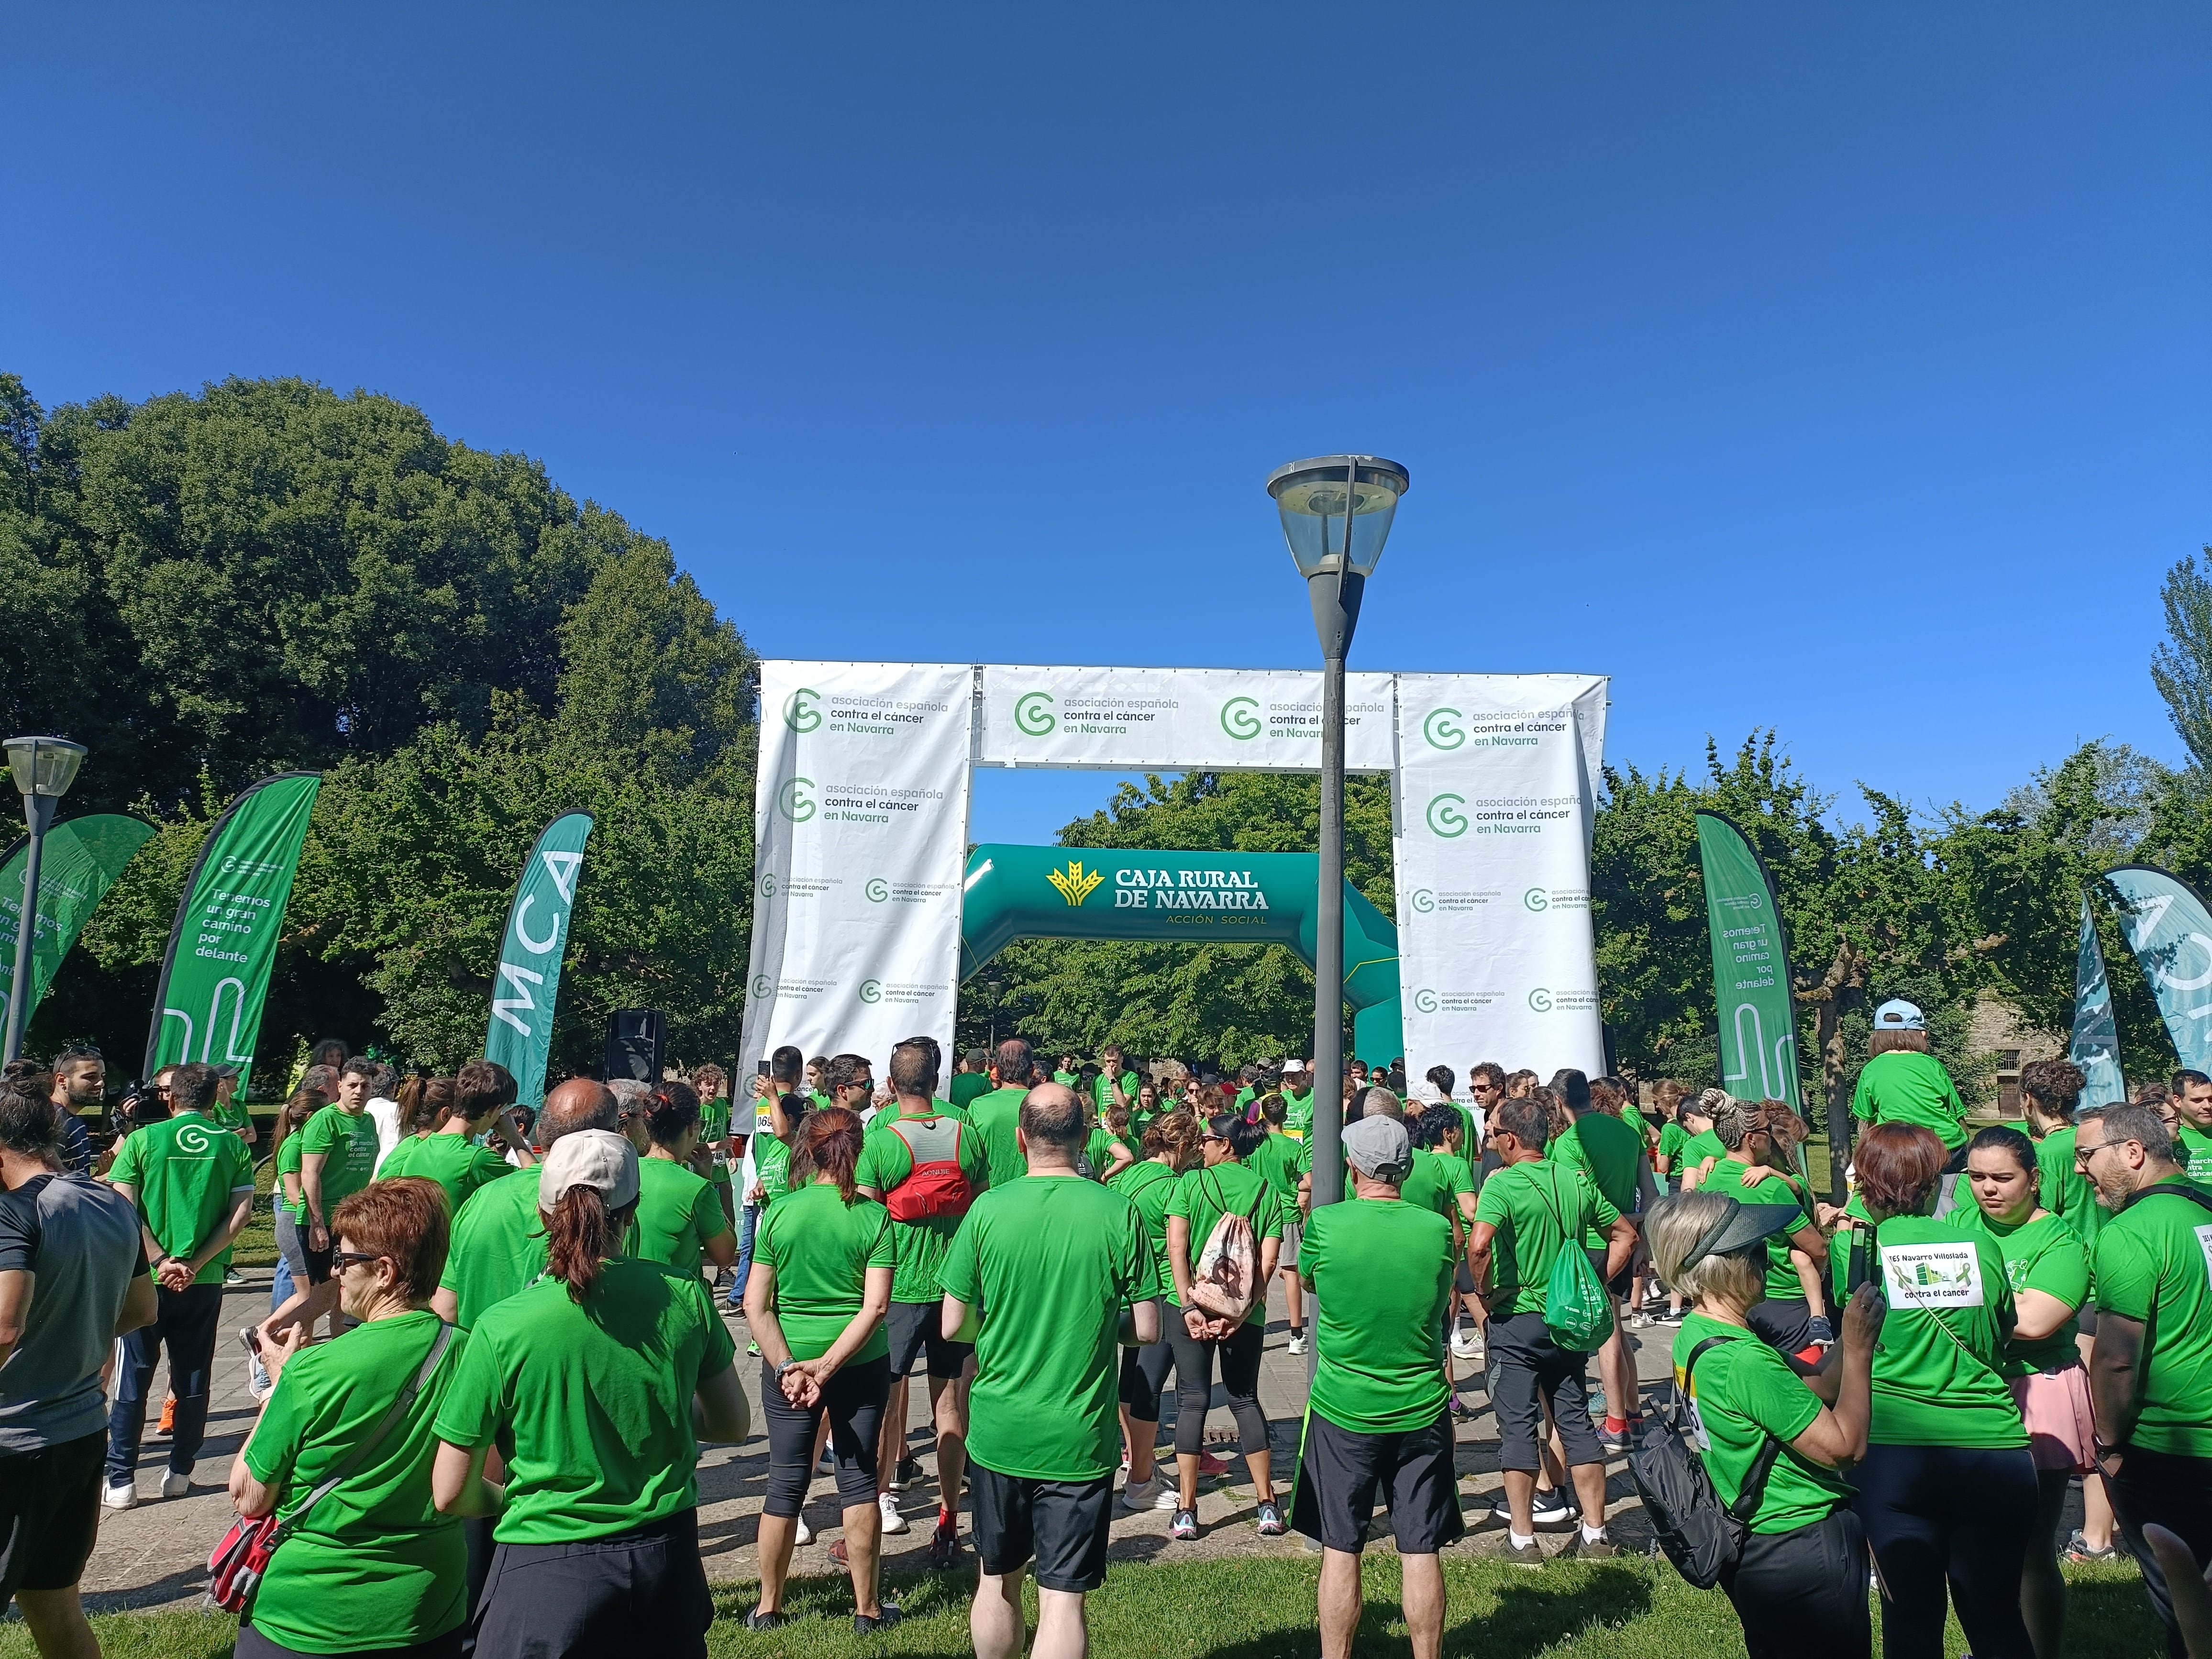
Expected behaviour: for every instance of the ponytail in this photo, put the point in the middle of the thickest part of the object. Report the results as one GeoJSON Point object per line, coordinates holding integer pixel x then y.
{"type": "Point", "coordinates": [581, 1235]}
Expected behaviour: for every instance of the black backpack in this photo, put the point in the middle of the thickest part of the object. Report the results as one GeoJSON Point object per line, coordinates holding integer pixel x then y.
{"type": "Point", "coordinates": [1701, 1539]}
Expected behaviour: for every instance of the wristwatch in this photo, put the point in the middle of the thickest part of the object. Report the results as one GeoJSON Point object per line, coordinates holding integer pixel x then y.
{"type": "Point", "coordinates": [2104, 1448]}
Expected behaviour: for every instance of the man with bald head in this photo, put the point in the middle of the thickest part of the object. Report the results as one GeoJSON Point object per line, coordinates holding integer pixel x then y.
{"type": "Point", "coordinates": [498, 1243]}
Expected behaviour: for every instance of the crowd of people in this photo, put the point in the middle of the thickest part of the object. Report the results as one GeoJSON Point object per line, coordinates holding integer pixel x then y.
{"type": "Point", "coordinates": [494, 1348]}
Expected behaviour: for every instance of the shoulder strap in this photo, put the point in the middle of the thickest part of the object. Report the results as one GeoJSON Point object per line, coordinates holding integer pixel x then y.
{"type": "Point", "coordinates": [392, 1415]}
{"type": "Point", "coordinates": [1754, 1479]}
{"type": "Point", "coordinates": [2194, 1194]}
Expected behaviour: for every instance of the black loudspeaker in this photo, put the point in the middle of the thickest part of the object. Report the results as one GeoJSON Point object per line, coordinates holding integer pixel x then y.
{"type": "Point", "coordinates": [633, 1043]}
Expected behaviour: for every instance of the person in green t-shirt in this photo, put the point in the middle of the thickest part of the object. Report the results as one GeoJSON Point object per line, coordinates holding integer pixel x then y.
{"type": "Point", "coordinates": [1610, 1154]}
{"type": "Point", "coordinates": [1787, 1319]}
{"type": "Point", "coordinates": [2150, 1368]}
{"type": "Point", "coordinates": [1224, 1185]}
{"type": "Point", "coordinates": [1297, 1099]}
{"type": "Point", "coordinates": [1046, 1273]}
{"type": "Point", "coordinates": [820, 1286]}
{"type": "Point", "coordinates": [2048, 1267]}
{"type": "Point", "coordinates": [1381, 1270]}
{"type": "Point", "coordinates": [712, 1159]}
{"type": "Point", "coordinates": [1903, 1083]}
{"type": "Point", "coordinates": [1276, 1159]}
{"type": "Point", "coordinates": [973, 1078]}
{"type": "Point", "coordinates": [1116, 1082]}
{"type": "Point", "coordinates": [231, 1112]}
{"type": "Point", "coordinates": [374, 1566]}
{"type": "Point", "coordinates": [449, 1154]}
{"type": "Point", "coordinates": [1799, 1584]}
{"type": "Point", "coordinates": [1528, 1212]}
{"type": "Point", "coordinates": [1171, 1146]}
{"type": "Point", "coordinates": [603, 1377]}
{"type": "Point", "coordinates": [680, 1223]}
{"type": "Point", "coordinates": [192, 1185]}
{"type": "Point", "coordinates": [925, 1165]}
{"type": "Point", "coordinates": [339, 1149]}
{"type": "Point", "coordinates": [997, 1115]}
{"type": "Point", "coordinates": [1945, 1421]}
{"type": "Point", "coordinates": [2193, 1105]}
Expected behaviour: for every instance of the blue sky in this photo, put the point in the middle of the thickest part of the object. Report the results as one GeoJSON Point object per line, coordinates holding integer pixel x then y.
{"type": "Point", "coordinates": [1833, 368]}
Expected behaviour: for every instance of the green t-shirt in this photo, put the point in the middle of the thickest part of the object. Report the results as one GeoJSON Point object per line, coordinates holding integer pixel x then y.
{"type": "Point", "coordinates": [1383, 1273]}
{"type": "Point", "coordinates": [347, 1142]}
{"type": "Point", "coordinates": [771, 1168]}
{"type": "Point", "coordinates": [1699, 1147]}
{"type": "Point", "coordinates": [821, 1249]}
{"type": "Point", "coordinates": [454, 1162]}
{"type": "Point", "coordinates": [1607, 1152]}
{"type": "Point", "coordinates": [2045, 1254]}
{"type": "Point", "coordinates": [188, 1172]}
{"type": "Point", "coordinates": [886, 1159]}
{"type": "Point", "coordinates": [1434, 1183]}
{"type": "Point", "coordinates": [1783, 1283]}
{"type": "Point", "coordinates": [498, 1246]}
{"type": "Point", "coordinates": [374, 1564]}
{"type": "Point", "coordinates": [678, 1213]}
{"type": "Point", "coordinates": [1743, 1392]}
{"type": "Point", "coordinates": [715, 1124]}
{"type": "Point", "coordinates": [288, 1163]}
{"type": "Point", "coordinates": [967, 1086]}
{"type": "Point", "coordinates": [1202, 1197]}
{"type": "Point", "coordinates": [1673, 1138]}
{"type": "Point", "coordinates": [1050, 1263]}
{"type": "Point", "coordinates": [1068, 1080]}
{"type": "Point", "coordinates": [2195, 1153]}
{"type": "Point", "coordinates": [1904, 1087]}
{"type": "Point", "coordinates": [597, 1398]}
{"type": "Point", "coordinates": [1276, 1158]}
{"type": "Point", "coordinates": [1298, 1112]}
{"type": "Point", "coordinates": [234, 1117]}
{"type": "Point", "coordinates": [1537, 1207]}
{"type": "Point", "coordinates": [2154, 1264]}
{"type": "Point", "coordinates": [1942, 1283]}
{"type": "Point", "coordinates": [1149, 1186]}
{"type": "Point", "coordinates": [2064, 1188]}
{"type": "Point", "coordinates": [996, 1116]}
{"type": "Point", "coordinates": [1101, 1093]}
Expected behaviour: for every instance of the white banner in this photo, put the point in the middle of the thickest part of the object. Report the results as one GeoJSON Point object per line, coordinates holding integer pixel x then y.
{"type": "Point", "coordinates": [860, 830]}
{"type": "Point", "coordinates": [1492, 815]}
{"type": "Point", "coordinates": [1176, 720]}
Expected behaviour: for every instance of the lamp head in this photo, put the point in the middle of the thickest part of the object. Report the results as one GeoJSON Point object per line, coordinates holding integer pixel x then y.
{"type": "Point", "coordinates": [43, 766]}
{"type": "Point", "coordinates": [1313, 496]}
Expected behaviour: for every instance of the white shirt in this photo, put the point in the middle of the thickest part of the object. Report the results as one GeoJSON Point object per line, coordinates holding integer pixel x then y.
{"type": "Point", "coordinates": [386, 1116]}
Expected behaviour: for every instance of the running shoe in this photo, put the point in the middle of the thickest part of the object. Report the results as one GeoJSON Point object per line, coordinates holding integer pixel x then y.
{"type": "Point", "coordinates": [1547, 1509]}
{"type": "Point", "coordinates": [1671, 1316]}
{"type": "Point", "coordinates": [1137, 1495]}
{"type": "Point", "coordinates": [2077, 1549]}
{"type": "Point", "coordinates": [1467, 1345]}
{"type": "Point", "coordinates": [1184, 1527]}
{"type": "Point", "coordinates": [123, 1495]}
{"type": "Point", "coordinates": [802, 1533]}
{"type": "Point", "coordinates": [1821, 1332]}
{"type": "Point", "coordinates": [893, 1521]}
{"type": "Point", "coordinates": [1615, 1442]}
{"type": "Point", "coordinates": [1270, 1518]}
{"type": "Point", "coordinates": [1530, 1554]}
{"type": "Point", "coordinates": [1210, 1465]}
{"type": "Point", "coordinates": [176, 1483]}
{"type": "Point", "coordinates": [944, 1545]}
{"type": "Point", "coordinates": [758, 1620]}
{"type": "Point", "coordinates": [864, 1625]}
{"type": "Point", "coordinates": [168, 1423]}
{"type": "Point", "coordinates": [1463, 1411]}
{"type": "Point", "coordinates": [1295, 1344]}
{"type": "Point", "coordinates": [1582, 1547]}
{"type": "Point", "coordinates": [907, 1471]}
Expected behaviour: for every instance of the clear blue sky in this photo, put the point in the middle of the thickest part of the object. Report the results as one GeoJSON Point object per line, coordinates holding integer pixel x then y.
{"type": "Point", "coordinates": [1836, 368]}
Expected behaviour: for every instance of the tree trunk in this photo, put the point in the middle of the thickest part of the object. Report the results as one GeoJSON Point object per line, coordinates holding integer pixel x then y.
{"type": "Point", "coordinates": [1832, 995]}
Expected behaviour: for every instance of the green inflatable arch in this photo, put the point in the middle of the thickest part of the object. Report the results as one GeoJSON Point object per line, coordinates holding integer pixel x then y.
{"type": "Point", "coordinates": [1245, 898]}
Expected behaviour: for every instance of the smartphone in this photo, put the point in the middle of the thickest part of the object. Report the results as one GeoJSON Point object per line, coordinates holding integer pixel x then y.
{"type": "Point", "coordinates": [762, 1070]}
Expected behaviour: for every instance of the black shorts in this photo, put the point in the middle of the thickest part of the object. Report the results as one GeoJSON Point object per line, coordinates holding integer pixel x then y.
{"type": "Point", "coordinates": [252, 1644]}
{"type": "Point", "coordinates": [1785, 1327]}
{"type": "Point", "coordinates": [1619, 1283]}
{"type": "Point", "coordinates": [1339, 1473]}
{"type": "Point", "coordinates": [49, 1514]}
{"type": "Point", "coordinates": [1062, 1525]}
{"type": "Point", "coordinates": [638, 1592]}
{"type": "Point", "coordinates": [916, 1327]}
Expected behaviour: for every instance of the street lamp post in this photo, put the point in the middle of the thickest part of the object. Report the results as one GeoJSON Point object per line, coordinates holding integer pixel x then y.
{"type": "Point", "coordinates": [44, 768]}
{"type": "Point", "coordinates": [1336, 512]}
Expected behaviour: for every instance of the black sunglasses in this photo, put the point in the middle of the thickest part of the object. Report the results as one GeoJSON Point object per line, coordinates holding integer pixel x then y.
{"type": "Point", "coordinates": [341, 1260]}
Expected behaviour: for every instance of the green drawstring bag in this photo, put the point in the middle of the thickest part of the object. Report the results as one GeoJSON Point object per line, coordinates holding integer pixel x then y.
{"type": "Point", "coordinates": [1577, 1312]}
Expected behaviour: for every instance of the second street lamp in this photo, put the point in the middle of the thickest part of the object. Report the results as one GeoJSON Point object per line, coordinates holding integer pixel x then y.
{"type": "Point", "coordinates": [44, 768]}
{"type": "Point", "coordinates": [1336, 512]}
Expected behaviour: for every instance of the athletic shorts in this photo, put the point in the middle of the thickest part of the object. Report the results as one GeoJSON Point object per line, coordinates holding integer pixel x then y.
{"type": "Point", "coordinates": [1618, 1283]}
{"type": "Point", "coordinates": [49, 1514]}
{"type": "Point", "coordinates": [1062, 1525]}
{"type": "Point", "coordinates": [1293, 1232]}
{"type": "Point", "coordinates": [309, 1267]}
{"type": "Point", "coordinates": [1785, 1327]}
{"type": "Point", "coordinates": [916, 1328]}
{"type": "Point", "coordinates": [1340, 1472]}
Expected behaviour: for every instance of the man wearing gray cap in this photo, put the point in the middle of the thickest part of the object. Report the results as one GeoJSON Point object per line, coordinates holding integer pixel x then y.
{"type": "Point", "coordinates": [1376, 1420]}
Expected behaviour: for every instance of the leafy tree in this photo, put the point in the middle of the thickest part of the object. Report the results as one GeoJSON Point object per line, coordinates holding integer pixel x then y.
{"type": "Point", "coordinates": [2181, 667]}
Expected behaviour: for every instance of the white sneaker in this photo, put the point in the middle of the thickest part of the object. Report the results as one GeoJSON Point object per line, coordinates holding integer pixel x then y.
{"type": "Point", "coordinates": [804, 1534]}
{"type": "Point", "coordinates": [175, 1484]}
{"type": "Point", "coordinates": [1466, 1344]}
{"type": "Point", "coordinates": [1136, 1497]}
{"type": "Point", "coordinates": [1295, 1344]}
{"type": "Point", "coordinates": [123, 1497]}
{"type": "Point", "coordinates": [893, 1521]}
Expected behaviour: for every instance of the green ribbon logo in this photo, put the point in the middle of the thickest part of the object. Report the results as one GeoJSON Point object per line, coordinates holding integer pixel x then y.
{"type": "Point", "coordinates": [1444, 816]}
{"type": "Point", "coordinates": [1033, 716]}
{"type": "Point", "coordinates": [801, 715]}
{"type": "Point", "coordinates": [1239, 718]}
{"type": "Point", "coordinates": [1439, 730]}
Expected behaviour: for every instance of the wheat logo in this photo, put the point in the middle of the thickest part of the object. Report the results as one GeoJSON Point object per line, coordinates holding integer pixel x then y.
{"type": "Point", "coordinates": [1074, 886]}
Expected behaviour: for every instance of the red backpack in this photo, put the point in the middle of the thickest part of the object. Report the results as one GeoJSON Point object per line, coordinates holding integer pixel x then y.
{"type": "Point", "coordinates": [937, 1186]}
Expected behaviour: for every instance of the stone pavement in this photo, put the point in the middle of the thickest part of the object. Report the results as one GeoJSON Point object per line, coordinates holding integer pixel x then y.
{"type": "Point", "coordinates": [155, 1555]}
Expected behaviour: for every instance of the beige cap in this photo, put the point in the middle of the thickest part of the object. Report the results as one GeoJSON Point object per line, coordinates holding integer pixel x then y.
{"type": "Point", "coordinates": [590, 1157]}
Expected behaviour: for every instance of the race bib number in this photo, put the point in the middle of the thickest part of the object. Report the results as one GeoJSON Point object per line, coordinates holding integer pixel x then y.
{"type": "Point", "coordinates": [1933, 1275]}
{"type": "Point", "coordinates": [2204, 1243]}
{"type": "Point", "coordinates": [1699, 1437]}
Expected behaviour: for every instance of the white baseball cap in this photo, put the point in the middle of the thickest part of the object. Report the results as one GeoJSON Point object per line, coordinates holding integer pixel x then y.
{"type": "Point", "coordinates": [590, 1157]}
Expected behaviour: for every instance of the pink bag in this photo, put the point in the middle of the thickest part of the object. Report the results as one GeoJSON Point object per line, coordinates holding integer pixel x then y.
{"type": "Point", "coordinates": [1226, 1277]}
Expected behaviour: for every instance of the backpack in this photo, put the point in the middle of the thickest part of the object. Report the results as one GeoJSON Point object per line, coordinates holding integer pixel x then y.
{"type": "Point", "coordinates": [1701, 1539]}
{"type": "Point", "coordinates": [937, 1186]}
{"type": "Point", "coordinates": [1577, 1310]}
{"type": "Point", "coordinates": [1226, 1277]}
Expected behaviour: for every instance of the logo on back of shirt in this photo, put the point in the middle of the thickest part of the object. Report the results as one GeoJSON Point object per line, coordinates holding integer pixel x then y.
{"type": "Point", "coordinates": [1933, 1275]}
{"type": "Point", "coordinates": [194, 1141]}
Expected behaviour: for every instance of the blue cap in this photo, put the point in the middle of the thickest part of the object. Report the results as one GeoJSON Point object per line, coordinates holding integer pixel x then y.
{"type": "Point", "coordinates": [1898, 1015]}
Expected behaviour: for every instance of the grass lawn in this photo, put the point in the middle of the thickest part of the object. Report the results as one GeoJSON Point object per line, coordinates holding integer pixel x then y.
{"type": "Point", "coordinates": [1261, 1609]}
{"type": "Point", "coordinates": [257, 1245]}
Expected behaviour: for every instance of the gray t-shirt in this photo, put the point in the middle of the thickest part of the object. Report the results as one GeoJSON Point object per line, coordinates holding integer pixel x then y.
{"type": "Point", "coordinates": [80, 1238]}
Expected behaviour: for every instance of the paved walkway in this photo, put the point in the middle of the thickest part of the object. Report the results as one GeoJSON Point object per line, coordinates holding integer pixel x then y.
{"type": "Point", "coordinates": [155, 1555]}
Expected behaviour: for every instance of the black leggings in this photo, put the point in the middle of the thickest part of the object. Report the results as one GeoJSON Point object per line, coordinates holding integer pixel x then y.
{"type": "Point", "coordinates": [1240, 1380]}
{"type": "Point", "coordinates": [1934, 1514]}
{"type": "Point", "coordinates": [1144, 1371]}
{"type": "Point", "coordinates": [1802, 1595]}
{"type": "Point", "coordinates": [854, 1401]}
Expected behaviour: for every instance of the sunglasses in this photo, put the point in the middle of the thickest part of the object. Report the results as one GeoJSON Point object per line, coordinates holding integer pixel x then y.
{"type": "Point", "coordinates": [341, 1260]}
